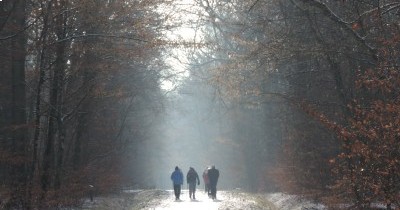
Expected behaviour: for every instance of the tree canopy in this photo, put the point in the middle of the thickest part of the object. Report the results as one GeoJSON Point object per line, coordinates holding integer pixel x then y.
{"type": "Point", "coordinates": [299, 96]}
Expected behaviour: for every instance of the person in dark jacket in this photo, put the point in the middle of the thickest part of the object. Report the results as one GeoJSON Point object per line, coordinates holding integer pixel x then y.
{"type": "Point", "coordinates": [213, 175]}
{"type": "Point", "coordinates": [177, 180]}
{"type": "Point", "coordinates": [192, 177]}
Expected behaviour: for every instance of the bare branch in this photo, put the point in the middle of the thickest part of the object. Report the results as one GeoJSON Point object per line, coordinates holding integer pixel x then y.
{"type": "Point", "coordinates": [343, 24]}
{"type": "Point", "coordinates": [17, 33]}
{"type": "Point", "coordinates": [101, 35]}
{"type": "Point", "coordinates": [254, 4]}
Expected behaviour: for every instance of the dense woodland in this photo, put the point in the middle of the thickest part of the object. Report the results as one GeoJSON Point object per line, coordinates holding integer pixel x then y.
{"type": "Point", "coordinates": [307, 93]}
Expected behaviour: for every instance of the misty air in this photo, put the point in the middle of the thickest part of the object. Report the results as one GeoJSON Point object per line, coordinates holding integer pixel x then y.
{"type": "Point", "coordinates": [199, 104]}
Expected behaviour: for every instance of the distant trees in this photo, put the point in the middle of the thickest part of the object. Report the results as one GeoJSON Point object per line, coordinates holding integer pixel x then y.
{"type": "Point", "coordinates": [77, 76]}
{"type": "Point", "coordinates": [331, 67]}
{"type": "Point", "coordinates": [251, 124]}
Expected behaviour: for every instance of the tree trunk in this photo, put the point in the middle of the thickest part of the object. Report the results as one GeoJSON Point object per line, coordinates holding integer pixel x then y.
{"type": "Point", "coordinates": [42, 65]}
{"type": "Point", "coordinates": [13, 99]}
{"type": "Point", "coordinates": [18, 102]}
{"type": "Point", "coordinates": [58, 87]}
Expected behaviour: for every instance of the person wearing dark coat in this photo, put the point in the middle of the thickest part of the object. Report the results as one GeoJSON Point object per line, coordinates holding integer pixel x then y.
{"type": "Point", "coordinates": [191, 178]}
{"type": "Point", "coordinates": [213, 175]}
{"type": "Point", "coordinates": [177, 180]}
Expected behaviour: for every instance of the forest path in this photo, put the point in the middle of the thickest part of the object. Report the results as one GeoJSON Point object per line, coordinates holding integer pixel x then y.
{"type": "Point", "coordinates": [225, 200]}
{"type": "Point", "coordinates": [202, 201]}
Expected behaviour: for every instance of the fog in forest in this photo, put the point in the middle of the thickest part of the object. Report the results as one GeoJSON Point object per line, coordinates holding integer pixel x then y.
{"type": "Point", "coordinates": [200, 129]}
{"type": "Point", "coordinates": [193, 134]}
{"type": "Point", "coordinates": [292, 96]}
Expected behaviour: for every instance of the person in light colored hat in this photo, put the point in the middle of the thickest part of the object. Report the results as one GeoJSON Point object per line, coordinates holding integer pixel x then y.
{"type": "Point", "coordinates": [206, 181]}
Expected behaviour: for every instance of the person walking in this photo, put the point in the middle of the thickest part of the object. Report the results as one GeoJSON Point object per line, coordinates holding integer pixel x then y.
{"type": "Point", "coordinates": [177, 180]}
{"type": "Point", "coordinates": [206, 181]}
{"type": "Point", "coordinates": [191, 179]}
{"type": "Point", "coordinates": [213, 175]}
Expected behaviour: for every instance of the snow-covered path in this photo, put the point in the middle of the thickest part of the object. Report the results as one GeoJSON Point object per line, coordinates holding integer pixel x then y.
{"type": "Point", "coordinates": [165, 199]}
{"type": "Point", "coordinates": [202, 201]}
{"type": "Point", "coordinates": [227, 200]}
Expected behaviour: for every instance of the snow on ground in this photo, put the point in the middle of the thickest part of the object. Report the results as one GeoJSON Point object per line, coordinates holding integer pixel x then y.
{"type": "Point", "coordinates": [291, 202]}
{"type": "Point", "coordinates": [165, 200]}
{"type": "Point", "coordinates": [284, 201]}
{"type": "Point", "coordinates": [227, 200]}
{"type": "Point", "coordinates": [202, 202]}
